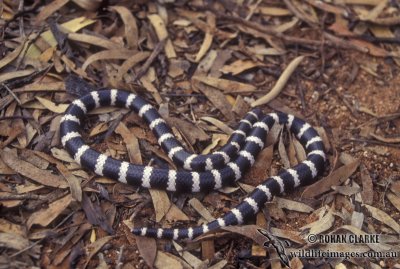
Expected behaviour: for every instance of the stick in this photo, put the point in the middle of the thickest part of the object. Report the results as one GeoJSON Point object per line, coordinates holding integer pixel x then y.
{"type": "Point", "coordinates": [280, 83]}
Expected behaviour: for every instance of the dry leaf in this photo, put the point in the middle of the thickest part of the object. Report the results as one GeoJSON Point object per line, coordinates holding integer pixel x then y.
{"type": "Point", "coordinates": [89, 5]}
{"type": "Point", "coordinates": [13, 241]}
{"type": "Point", "coordinates": [13, 55]}
{"type": "Point", "coordinates": [222, 126]}
{"type": "Point", "coordinates": [95, 213]}
{"type": "Point", "coordinates": [150, 87]}
{"type": "Point", "coordinates": [95, 247]}
{"type": "Point", "coordinates": [250, 231]}
{"type": "Point", "coordinates": [100, 128]}
{"type": "Point", "coordinates": [293, 205]}
{"type": "Point", "coordinates": [215, 141]}
{"type": "Point", "coordinates": [161, 203]}
{"type": "Point", "coordinates": [377, 247]}
{"type": "Point", "coordinates": [384, 218]}
{"type": "Point", "coordinates": [357, 219]}
{"type": "Point", "coordinates": [44, 177]}
{"type": "Point", "coordinates": [15, 74]}
{"type": "Point", "coordinates": [131, 142]}
{"type": "Point", "coordinates": [240, 66]}
{"type": "Point", "coordinates": [189, 258]}
{"type": "Point", "coordinates": [62, 155]}
{"type": "Point", "coordinates": [191, 132]}
{"type": "Point", "coordinates": [208, 38]}
{"type": "Point", "coordinates": [321, 225]}
{"type": "Point", "coordinates": [218, 100]}
{"type": "Point", "coordinates": [73, 25]}
{"type": "Point", "coordinates": [346, 190]}
{"type": "Point", "coordinates": [11, 228]}
{"type": "Point", "coordinates": [175, 214]}
{"type": "Point", "coordinates": [94, 40]}
{"type": "Point", "coordinates": [394, 199]}
{"type": "Point", "coordinates": [200, 208]}
{"type": "Point", "coordinates": [131, 30]}
{"type": "Point", "coordinates": [59, 109]}
{"type": "Point", "coordinates": [45, 216]}
{"type": "Point", "coordinates": [260, 169]}
{"type": "Point", "coordinates": [31, 157]}
{"type": "Point", "coordinates": [219, 265]}
{"type": "Point", "coordinates": [148, 249]}
{"type": "Point", "coordinates": [280, 84]}
{"type": "Point", "coordinates": [162, 34]}
{"type": "Point", "coordinates": [49, 9]}
{"type": "Point", "coordinates": [293, 236]}
{"type": "Point", "coordinates": [282, 153]}
{"type": "Point", "coordinates": [367, 193]}
{"type": "Point", "coordinates": [257, 250]}
{"type": "Point", "coordinates": [147, 246]}
{"type": "Point", "coordinates": [165, 261]}
{"type": "Point", "coordinates": [273, 11]}
{"type": "Point", "coordinates": [5, 170]}
{"type": "Point", "coordinates": [74, 182]}
{"type": "Point", "coordinates": [114, 54]}
{"type": "Point", "coordinates": [395, 186]}
{"type": "Point", "coordinates": [204, 47]}
{"type": "Point", "coordinates": [336, 178]}
{"type": "Point", "coordinates": [131, 62]}
{"type": "Point", "coordinates": [225, 85]}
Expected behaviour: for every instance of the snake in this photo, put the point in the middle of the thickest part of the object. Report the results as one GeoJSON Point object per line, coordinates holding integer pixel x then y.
{"type": "Point", "coordinates": [197, 172]}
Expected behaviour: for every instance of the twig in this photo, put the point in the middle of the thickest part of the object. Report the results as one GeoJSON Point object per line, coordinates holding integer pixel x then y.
{"type": "Point", "coordinates": [25, 80]}
{"type": "Point", "coordinates": [30, 196]}
{"type": "Point", "coordinates": [5, 86]}
{"type": "Point", "coordinates": [386, 21]}
{"type": "Point", "coordinates": [341, 43]}
{"type": "Point", "coordinates": [31, 9]}
{"type": "Point", "coordinates": [322, 47]}
{"type": "Point", "coordinates": [21, 19]}
{"type": "Point", "coordinates": [267, 30]}
{"type": "Point", "coordinates": [183, 94]}
{"type": "Point", "coordinates": [332, 40]}
{"type": "Point", "coordinates": [373, 142]}
{"type": "Point", "coordinates": [150, 60]}
{"type": "Point", "coordinates": [299, 87]}
{"type": "Point", "coordinates": [16, 118]}
{"type": "Point", "coordinates": [373, 39]}
{"type": "Point", "coordinates": [352, 75]}
{"type": "Point", "coordinates": [299, 14]}
{"type": "Point", "coordinates": [45, 237]}
{"type": "Point", "coordinates": [280, 84]}
{"type": "Point", "coordinates": [385, 139]}
{"type": "Point", "coordinates": [346, 103]}
{"type": "Point", "coordinates": [343, 11]}
{"type": "Point", "coordinates": [27, 248]}
{"type": "Point", "coordinates": [389, 117]}
{"type": "Point", "coordinates": [27, 45]}
{"type": "Point", "coordinates": [112, 127]}
{"type": "Point", "coordinates": [120, 257]}
{"type": "Point", "coordinates": [252, 10]}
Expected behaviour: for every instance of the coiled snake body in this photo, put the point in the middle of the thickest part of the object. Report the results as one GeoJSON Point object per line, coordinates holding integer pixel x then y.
{"type": "Point", "coordinates": [202, 173]}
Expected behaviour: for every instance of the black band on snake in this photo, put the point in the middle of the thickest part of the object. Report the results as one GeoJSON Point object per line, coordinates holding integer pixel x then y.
{"type": "Point", "coordinates": [202, 173]}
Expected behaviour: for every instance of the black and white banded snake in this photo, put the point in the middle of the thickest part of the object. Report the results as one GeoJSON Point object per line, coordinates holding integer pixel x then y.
{"type": "Point", "coordinates": [201, 173]}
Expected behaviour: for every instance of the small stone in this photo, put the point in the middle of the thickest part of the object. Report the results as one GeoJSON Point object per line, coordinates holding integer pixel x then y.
{"type": "Point", "coordinates": [315, 96]}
